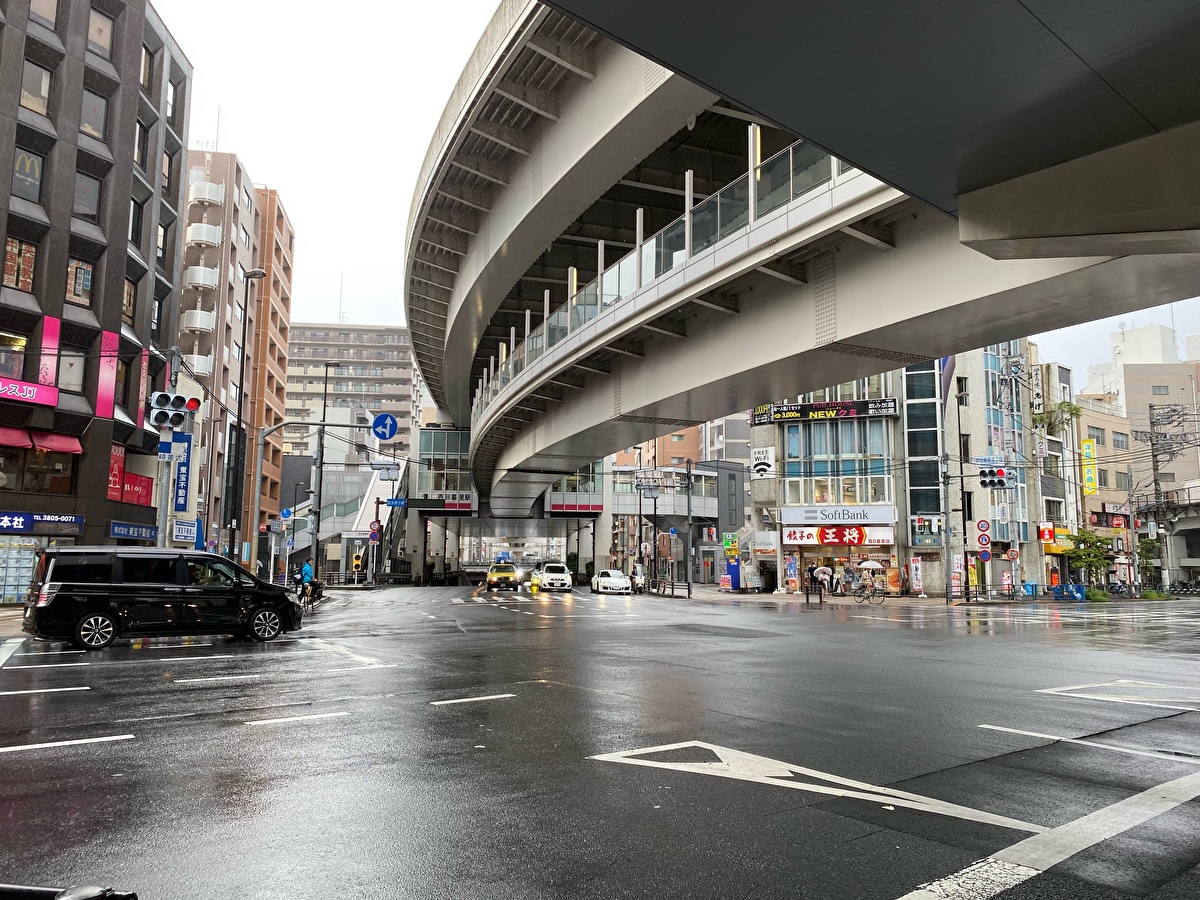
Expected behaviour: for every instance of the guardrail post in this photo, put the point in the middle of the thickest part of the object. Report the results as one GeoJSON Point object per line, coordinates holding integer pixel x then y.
{"type": "Point", "coordinates": [639, 236]}
{"type": "Point", "coordinates": [688, 197]}
{"type": "Point", "coordinates": [755, 139]}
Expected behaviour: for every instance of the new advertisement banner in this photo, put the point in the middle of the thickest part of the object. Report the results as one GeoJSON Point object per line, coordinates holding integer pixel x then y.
{"type": "Point", "coordinates": [834, 409]}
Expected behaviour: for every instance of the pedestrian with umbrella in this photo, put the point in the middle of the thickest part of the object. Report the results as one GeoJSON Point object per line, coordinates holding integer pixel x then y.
{"type": "Point", "coordinates": [823, 573]}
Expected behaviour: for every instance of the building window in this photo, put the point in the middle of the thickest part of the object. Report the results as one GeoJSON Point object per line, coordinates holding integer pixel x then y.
{"type": "Point", "coordinates": [44, 12]}
{"type": "Point", "coordinates": [135, 222]}
{"type": "Point", "coordinates": [172, 89]}
{"type": "Point", "coordinates": [93, 119]}
{"type": "Point", "coordinates": [35, 88]}
{"type": "Point", "coordinates": [1122, 481]}
{"type": "Point", "coordinates": [1166, 476]}
{"type": "Point", "coordinates": [141, 144]}
{"type": "Point", "coordinates": [968, 506]}
{"type": "Point", "coordinates": [161, 244]}
{"type": "Point", "coordinates": [168, 165]}
{"type": "Point", "coordinates": [121, 393]}
{"type": "Point", "coordinates": [79, 281]}
{"type": "Point", "coordinates": [129, 302]}
{"type": "Point", "coordinates": [246, 201]}
{"type": "Point", "coordinates": [12, 355]}
{"type": "Point", "coordinates": [1120, 441]}
{"type": "Point", "coordinates": [964, 446]}
{"type": "Point", "coordinates": [1054, 510]}
{"type": "Point", "coordinates": [960, 390]}
{"type": "Point", "coordinates": [19, 260]}
{"type": "Point", "coordinates": [1096, 434]}
{"type": "Point", "coordinates": [36, 471]}
{"type": "Point", "coordinates": [146, 77]}
{"type": "Point", "coordinates": [100, 34]}
{"type": "Point", "coordinates": [72, 366]}
{"type": "Point", "coordinates": [1160, 390]}
{"type": "Point", "coordinates": [1102, 477]}
{"type": "Point", "coordinates": [245, 237]}
{"type": "Point", "coordinates": [27, 175]}
{"type": "Point", "coordinates": [87, 198]}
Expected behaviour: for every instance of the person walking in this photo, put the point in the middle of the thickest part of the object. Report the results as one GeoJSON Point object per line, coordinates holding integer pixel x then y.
{"type": "Point", "coordinates": [823, 574]}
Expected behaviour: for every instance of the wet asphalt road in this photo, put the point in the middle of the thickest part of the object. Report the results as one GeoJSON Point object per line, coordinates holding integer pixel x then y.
{"type": "Point", "coordinates": [754, 750]}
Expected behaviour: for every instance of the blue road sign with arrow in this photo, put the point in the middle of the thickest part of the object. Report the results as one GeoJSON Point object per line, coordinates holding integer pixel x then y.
{"type": "Point", "coordinates": [285, 513]}
{"type": "Point", "coordinates": [385, 426]}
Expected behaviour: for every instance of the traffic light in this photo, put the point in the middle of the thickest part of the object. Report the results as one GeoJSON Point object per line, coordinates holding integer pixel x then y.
{"type": "Point", "coordinates": [357, 563]}
{"type": "Point", "coordinates": [169, 410]}
{"type": "Point", "coordinates": [994, 478]}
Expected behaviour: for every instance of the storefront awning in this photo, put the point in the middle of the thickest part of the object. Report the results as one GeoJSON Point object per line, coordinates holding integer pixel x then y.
{"type": "Point", "coordinates": [56, 443]}
{"type": "Point", "coordinates": [14, 437]}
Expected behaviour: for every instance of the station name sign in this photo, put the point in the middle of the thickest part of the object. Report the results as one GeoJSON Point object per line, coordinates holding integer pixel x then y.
{"type": "Point", "coordinates": [826, 409]}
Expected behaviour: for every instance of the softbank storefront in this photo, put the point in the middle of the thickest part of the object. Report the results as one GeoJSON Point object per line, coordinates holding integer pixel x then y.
{"type": "Point", "coordinates": [844, 538]}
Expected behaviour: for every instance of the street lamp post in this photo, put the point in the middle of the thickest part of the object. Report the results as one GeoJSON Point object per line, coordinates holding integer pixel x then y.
{"type": "Point", "coordinates": [236, 508]}
{"type": "Point", "coordinates": [295, 503]}
{"type": "Point", "coordinates": [318, 493]}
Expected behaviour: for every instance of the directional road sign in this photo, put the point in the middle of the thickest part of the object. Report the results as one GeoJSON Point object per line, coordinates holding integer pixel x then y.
{"type": "Point", "coordinates": [291, 543]}
{"type": "Point", "coordinates": [385, 426]}
{"type": "Point", "coordinates": [285, 513]}
{"type": "Point", "coordinates": [673, 532]}
{"type": "Point", "coordinates": [397, 501]}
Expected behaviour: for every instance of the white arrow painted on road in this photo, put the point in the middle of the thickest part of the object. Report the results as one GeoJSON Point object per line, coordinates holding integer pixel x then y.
{"type": "Point", "coordinates": [748, 767]}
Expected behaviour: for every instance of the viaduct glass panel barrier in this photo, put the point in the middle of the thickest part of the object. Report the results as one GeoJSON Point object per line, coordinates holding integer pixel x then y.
{"type": "Point", "coordinates": [788, 175]}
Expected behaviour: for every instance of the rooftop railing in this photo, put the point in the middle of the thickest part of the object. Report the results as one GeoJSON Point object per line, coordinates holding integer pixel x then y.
{"type": "Point", "coordinates": [789, 175]}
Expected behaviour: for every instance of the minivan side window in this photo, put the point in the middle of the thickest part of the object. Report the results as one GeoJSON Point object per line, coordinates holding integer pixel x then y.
{"type": "Point", "coordinates": [150, 569]}
{"type": "Point", "coordinates": [85, 568]}
{"type": "Point", "coordinates": [201, 572]}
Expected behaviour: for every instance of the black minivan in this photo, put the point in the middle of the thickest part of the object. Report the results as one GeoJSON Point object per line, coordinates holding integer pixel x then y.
{"type": "Point", "coordinates": [92, 595]}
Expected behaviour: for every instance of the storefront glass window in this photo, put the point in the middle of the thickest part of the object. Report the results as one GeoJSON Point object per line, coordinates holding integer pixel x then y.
{"type": "Point", "coordinates": [12, 355]}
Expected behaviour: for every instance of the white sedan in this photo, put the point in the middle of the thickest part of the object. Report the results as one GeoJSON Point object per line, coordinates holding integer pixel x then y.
{"type": "Point", "coordinates": [611, 581]}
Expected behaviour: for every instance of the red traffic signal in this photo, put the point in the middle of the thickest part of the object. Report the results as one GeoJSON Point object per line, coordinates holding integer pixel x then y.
{"type": "Point", "coordinates": [993, 478]}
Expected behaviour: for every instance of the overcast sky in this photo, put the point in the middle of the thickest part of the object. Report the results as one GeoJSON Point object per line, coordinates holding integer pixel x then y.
{"type": "Point", "coordinates": [333, 107]}
{"type": "Point", "coordinates": [336, 113]}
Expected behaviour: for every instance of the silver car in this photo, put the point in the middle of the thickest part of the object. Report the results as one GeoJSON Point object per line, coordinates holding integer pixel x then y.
{"type": "Point", "coordinates": [611, 581]}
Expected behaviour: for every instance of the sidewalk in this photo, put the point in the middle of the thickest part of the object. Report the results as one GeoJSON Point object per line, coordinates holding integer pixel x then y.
{"type": "Point", "coordinates": [10, 620]}
{"type": "Point", "coordinates": [711, 593]}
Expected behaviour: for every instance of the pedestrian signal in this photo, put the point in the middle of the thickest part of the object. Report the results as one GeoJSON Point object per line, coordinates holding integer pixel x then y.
{"type": "Point", "coordinates": [993, 478]}
{"type": "Point", "coordinates": [169, 410]}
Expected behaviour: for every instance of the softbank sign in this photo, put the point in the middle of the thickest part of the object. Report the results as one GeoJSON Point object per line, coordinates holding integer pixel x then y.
{"type": "Point", "coordinates": [832, 514]}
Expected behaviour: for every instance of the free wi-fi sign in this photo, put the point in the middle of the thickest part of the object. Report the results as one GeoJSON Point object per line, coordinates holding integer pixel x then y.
{"type": "Point", "coordinates": [762, 462]}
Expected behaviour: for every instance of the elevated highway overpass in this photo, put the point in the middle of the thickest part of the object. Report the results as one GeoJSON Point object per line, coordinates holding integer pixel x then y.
{"type": "Point", "coordinates": [563, 305]}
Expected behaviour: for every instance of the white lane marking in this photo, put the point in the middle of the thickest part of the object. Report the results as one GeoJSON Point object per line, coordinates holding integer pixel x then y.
{"type": "Point", "coordinates": [97, 740]}
{"type": "Point", "coordinates": [1153, 754]}
{"type": "Point", "coordinates": [8, 648]}
{"type": "Point", "coordinates": [297, 718]}
{"type": "Point", "coordinates": [47, 652]}
{"type": "Point", "coordinates": [360, 668]}
{"type": "Point", "coordinates": [428, 616]}
{"type": "Point", "coordinates": [593, 616]}
{"type": "Point", "coordinates": [49, 666]}
{"type": "Point", "coordinates": [1036, 854]}
{"type": "Point", "coordinates": [470, 699]}
{"type": "Point", "coordinates": [1164, 698]}
{"type": "Point", "coordinates": [983, 879]}
{"type": "Point", "coordinates": [748, 767]}
{"type": "Point", "coordinates": [174, 659]}
{"type": "Point", "coordinates": [221, 677]}
{"type": "Point", "coordinates": [1052, 847]}
{"type": "Point", "coordinates": [284, 676]}
{"type": "Point", "coordinates": [43, 691]}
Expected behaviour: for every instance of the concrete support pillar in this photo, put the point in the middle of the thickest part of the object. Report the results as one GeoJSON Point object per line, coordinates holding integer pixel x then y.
{"type": "Point", "coordinates": [688, 199]}
{"type": "Point", "coordinates": [528, 320]}
{"type": "Point", "coordinates": [512, 339]}
{"type": "Point", "coordinates": [546, 304]}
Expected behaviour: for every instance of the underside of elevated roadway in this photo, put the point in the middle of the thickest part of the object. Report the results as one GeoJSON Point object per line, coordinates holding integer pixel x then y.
{"type": "Point", "coordinates": [861, 311]}
{"type": "Point", "coordinates": [937, 98]}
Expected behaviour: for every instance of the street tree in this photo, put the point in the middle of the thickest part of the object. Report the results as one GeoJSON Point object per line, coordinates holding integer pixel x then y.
{"type": "Point", "coordinates": [1090, 553]}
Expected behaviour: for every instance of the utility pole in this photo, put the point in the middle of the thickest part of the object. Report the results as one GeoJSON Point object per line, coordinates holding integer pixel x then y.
{"type": "Point", "coordinates": [1134, 576]}
{"type": "Point", "coordinates": [165, 466]}
{"type": "Point", "coordinates": [961, 400]}
{"type": "Point", "coordinates": [945, 465]}
{"type": "Point", "coordinates": [1159, 506]}
{"type": "Point", "coordinates": [688, 550]}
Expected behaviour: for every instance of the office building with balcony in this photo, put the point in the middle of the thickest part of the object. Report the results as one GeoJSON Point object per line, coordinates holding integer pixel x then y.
{"type": "Point", "coordinates": [94, 110]}
{"type": "Point", "coordinates": [233, 328]}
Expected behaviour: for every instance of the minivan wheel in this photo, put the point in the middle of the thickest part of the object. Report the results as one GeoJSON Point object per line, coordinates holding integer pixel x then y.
{"type": "Point", "coordinates": [95, 631]}
{"type": "Point", "coordinates": [265, 624]}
